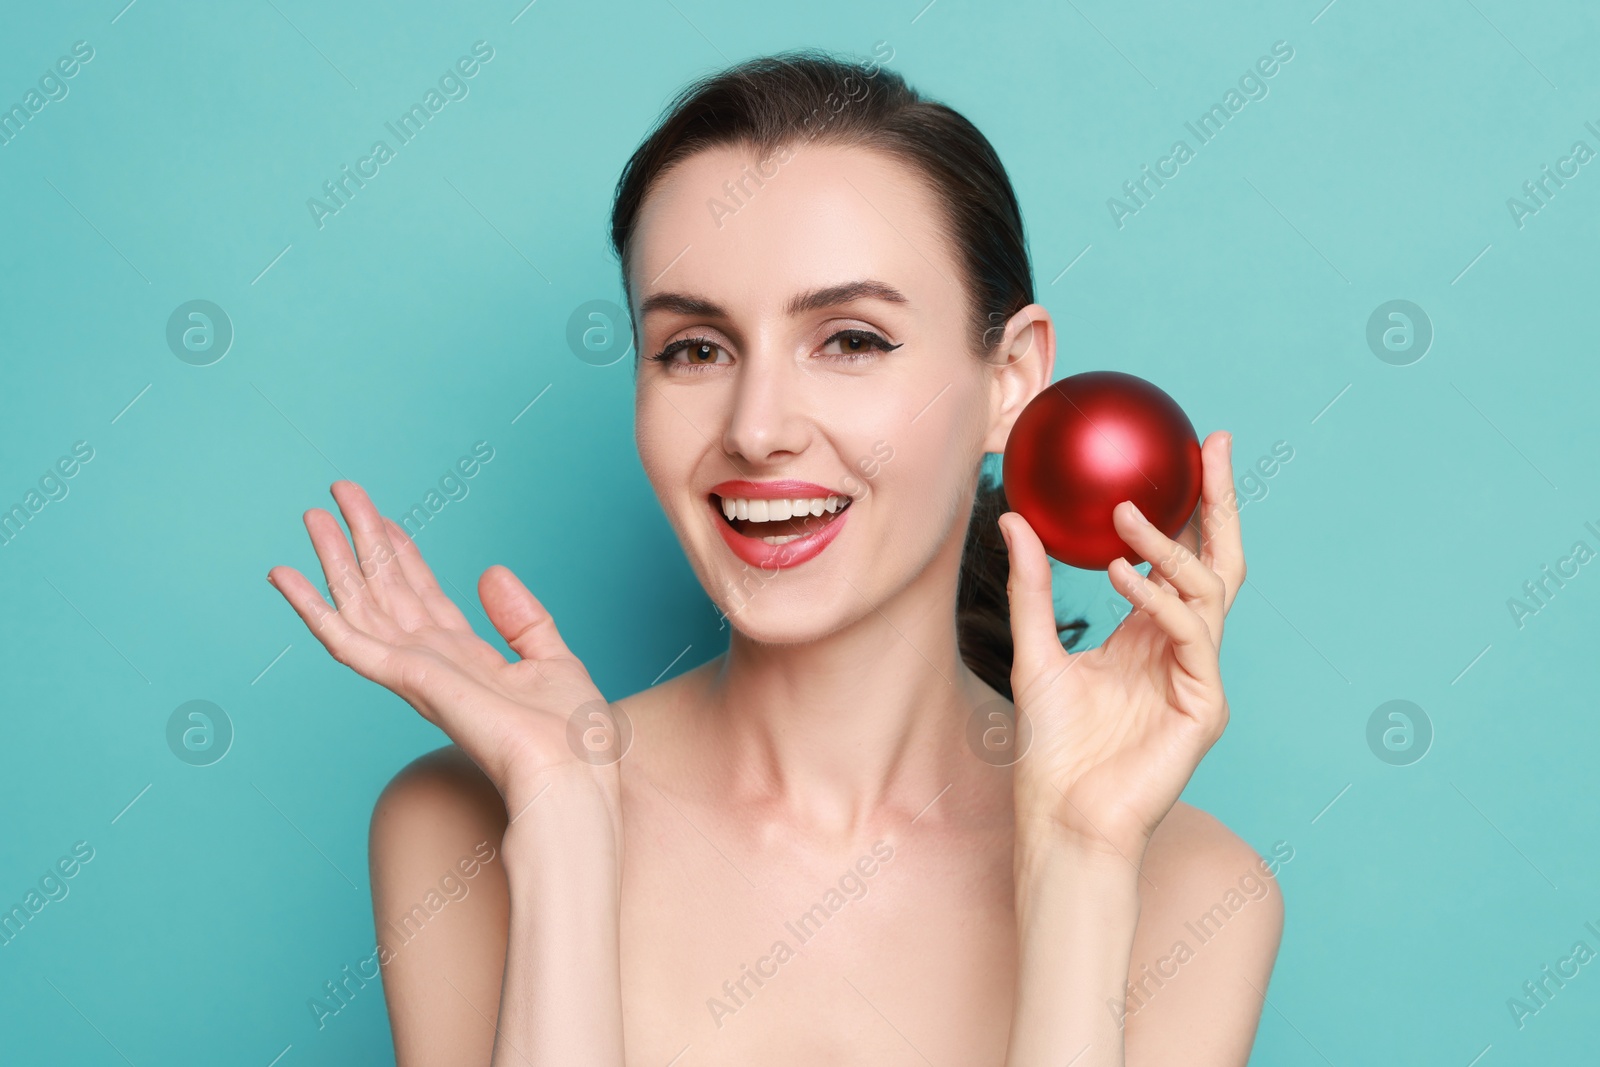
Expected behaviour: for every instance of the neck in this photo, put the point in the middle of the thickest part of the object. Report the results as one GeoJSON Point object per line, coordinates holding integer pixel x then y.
{"type": "Point", "coordinates": [866, 724]}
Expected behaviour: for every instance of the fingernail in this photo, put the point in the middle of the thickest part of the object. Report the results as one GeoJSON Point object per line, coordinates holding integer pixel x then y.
{"type": "Point", "coordinates": [1138, 514]}
{"type": "Point", "coordinates": [1005, 535]}
{"type": "Point", "coordinates": [1229, 439]}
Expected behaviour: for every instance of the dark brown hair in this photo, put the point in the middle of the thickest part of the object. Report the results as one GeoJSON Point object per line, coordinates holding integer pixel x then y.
{"type": "Point", "coordinates": [805, 96]}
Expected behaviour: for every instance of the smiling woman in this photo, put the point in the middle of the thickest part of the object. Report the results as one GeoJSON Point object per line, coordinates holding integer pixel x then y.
{"type": "Point", "coordinates": [827, 375]}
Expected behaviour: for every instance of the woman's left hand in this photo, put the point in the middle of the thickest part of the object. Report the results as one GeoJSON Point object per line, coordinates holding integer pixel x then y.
{"type": "Point", "coordinates": [1118, 730]}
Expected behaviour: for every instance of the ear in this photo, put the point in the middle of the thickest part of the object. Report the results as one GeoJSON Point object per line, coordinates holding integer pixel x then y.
{"type": "Point", "coordinates": [1021, 368]}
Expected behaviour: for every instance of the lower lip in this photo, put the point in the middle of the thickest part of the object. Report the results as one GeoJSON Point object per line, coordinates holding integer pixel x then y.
{"type": "Point", "coordinates": [758, 553]}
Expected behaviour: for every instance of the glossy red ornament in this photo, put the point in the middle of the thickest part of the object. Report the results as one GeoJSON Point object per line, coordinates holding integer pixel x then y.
{"type": "Point", "coordinates": [1089, 442]}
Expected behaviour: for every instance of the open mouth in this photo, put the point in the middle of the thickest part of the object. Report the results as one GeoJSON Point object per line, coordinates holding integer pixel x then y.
{"type": "Point", "coordinates": [768, 530]}
{"type": "Point", "coordinates": [778, 522]}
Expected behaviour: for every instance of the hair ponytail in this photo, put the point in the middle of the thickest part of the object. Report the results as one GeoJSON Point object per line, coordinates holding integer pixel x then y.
{"type": "Point", "coordinates": [983, 611]}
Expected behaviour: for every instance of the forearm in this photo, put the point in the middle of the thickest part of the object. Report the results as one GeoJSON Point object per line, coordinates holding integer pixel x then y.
{"type": "Point", "coordinates": [561, 995]}
{"type": "Point", "coordinates": [1076, 912]}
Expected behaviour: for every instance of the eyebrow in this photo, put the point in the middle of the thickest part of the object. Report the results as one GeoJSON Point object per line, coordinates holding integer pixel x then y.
{"type": "Point", "coordinates": [815, 300]}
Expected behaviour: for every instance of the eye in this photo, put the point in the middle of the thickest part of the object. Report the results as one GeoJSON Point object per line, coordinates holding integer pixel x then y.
{"type": "Point", "coordinates": [699, 351]}
{"type": "Point", "coordinates": [856, 345]}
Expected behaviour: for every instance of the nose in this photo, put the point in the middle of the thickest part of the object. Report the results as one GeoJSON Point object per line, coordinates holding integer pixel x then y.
{"type": "Point", "coordinates": [765, 420]}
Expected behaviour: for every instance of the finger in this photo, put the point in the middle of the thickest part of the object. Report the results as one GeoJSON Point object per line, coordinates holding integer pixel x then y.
{"type": "Point", "coordinates": [344, 642]}
{"type": "Point", "coordinates": [345, 582]}
{"type": "Point", "coordinates": [376, 556]}
{"type": "Point", "coordinates": [1189, 636]}
{"type": "Point", "coordinates": [440, 607]}
{"type": "Point", "coordinates": [1034, 637]}
{"type": "Point", "coordinates": [417, 679]}
{"type": "Point", "coordinates": [1184, 572]}
{"type": "Point", "coordinates": [1188, 536]}
{"type": "Point", "coordinates": [518, 616]}
{"type": "Point", "coordinates": [1222, 547]}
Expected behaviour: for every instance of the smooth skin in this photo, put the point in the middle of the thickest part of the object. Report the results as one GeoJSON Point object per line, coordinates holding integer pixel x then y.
{"type": "Point", "coordinates": [1015, 903]}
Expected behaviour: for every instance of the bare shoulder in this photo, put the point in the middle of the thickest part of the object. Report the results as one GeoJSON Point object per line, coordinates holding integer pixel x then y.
{"type": "Point", "coordinates": [1197, 852]}
{"type": "Point", "coordinates": [662, 733]}
{"type": "Point", "coordinates": [442, 798]}
{"type": "Point", "coordinates": [437, 815]}
{"type": "Point", "coordinates": [1211, 919]}
{"type": "Point", "coordinates": [440, 907]}
{"type": "Point", "coordinates": [436, 793]}
{"type": "Point", "coordinates": [1196, 868]}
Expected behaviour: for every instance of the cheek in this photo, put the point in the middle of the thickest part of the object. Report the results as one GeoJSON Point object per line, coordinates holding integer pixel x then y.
{"type": "Point", "coordinates": [672, 452]}
{"type": "Point", "coordinates": [657, 431]}
{"type": "Point", "coordinates": [926, 473]}
{"type": "Point", "coordinates": [875, 425]}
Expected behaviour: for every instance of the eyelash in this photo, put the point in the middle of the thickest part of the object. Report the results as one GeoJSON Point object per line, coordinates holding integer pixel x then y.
{"type": "Point", "coordinates": [873, 340]}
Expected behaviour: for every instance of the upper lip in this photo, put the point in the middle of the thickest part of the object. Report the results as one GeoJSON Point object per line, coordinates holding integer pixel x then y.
{"type": "Point", "coordinates": [780, 489]}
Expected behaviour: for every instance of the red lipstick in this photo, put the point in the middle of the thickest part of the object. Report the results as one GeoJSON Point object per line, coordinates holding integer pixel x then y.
{"type": "Point", "coordinates": [820, 530]}
{"type": "Point", "coordinates": [782, 489]}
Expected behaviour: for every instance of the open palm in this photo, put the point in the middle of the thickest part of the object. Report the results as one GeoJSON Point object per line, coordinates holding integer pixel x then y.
{"type": "Point", "coordinates": [395, 626]}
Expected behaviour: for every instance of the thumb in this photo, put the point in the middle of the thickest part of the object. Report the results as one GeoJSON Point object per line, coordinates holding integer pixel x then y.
{"type": "Point", "coordinates": [518, 616]}
{"type": "Point", "coordinates": [1033, 613]}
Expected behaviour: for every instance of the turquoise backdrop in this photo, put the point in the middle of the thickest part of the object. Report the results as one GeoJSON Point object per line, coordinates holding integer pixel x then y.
{"type": "Point", "coordinates": [1436, 462]}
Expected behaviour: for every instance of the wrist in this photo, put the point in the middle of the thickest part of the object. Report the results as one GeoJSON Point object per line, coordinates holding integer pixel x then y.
{"type": "Point", "coordinates": [567, 829]}
{"type": "Point", "coordinates": [561, 995]}
{"type": "Point", "coordinates": [1047, 856]}
{"type": "Point", "coordinates": [1042, 838]}
{"type": "Point", "coordinates": [1077, 909]}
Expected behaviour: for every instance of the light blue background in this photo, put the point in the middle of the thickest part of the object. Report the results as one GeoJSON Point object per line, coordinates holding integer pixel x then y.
{"type": "Point", "coordinates": [431, 311]}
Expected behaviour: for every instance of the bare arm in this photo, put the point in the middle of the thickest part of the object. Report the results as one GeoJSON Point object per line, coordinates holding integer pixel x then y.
{"type": "Point", "coordinates": [1117, 732]}
{"type": "Point", "coordinates": [440, 909]}
{"type": "Point", "coordinates": [491, 954]}
{"type": "Point", "coordinates": [1160, 966]}
{"type": "Point", "coordinates": [1076, 914]}
{"type": "Point", "coordinates": [560, 1000]}
{"type": "Point", "coordinates": [1208, 935]}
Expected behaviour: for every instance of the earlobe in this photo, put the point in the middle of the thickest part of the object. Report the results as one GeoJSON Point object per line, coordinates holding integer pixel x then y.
{"type": "Point", "coordinates": [1024, 370]}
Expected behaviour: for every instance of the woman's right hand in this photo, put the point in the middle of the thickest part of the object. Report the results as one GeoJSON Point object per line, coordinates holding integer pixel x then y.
{"type": "Point", "coordinates": [394, 625]}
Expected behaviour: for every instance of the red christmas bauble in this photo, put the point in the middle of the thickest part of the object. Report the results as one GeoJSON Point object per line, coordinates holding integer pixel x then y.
{"type": "Point", "coordinates": [1089, 442]}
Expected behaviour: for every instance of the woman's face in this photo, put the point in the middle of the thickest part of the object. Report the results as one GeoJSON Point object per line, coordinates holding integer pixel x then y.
{"type": "Point", "coordinates": [777, 292]}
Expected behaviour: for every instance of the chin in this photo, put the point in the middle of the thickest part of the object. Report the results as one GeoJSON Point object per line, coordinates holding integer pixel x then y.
{"type": "Point", "coordinates": [786, 616]}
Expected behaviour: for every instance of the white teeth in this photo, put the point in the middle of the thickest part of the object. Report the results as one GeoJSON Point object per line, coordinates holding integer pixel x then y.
{"type": "Point", "coordinates": [780, 539]}
{"type": "Point", "coordinates": [767, 510]}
